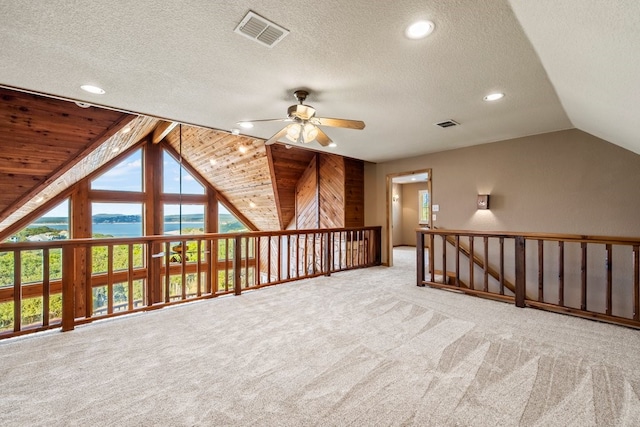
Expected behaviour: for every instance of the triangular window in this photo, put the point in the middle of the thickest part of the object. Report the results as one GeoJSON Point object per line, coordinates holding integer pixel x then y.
{"type": "Point", "coordinates": [227, 222]}
{"type": "Point", "coordinates": [174, 182]}
{"type": "Point", "coordinates": [124, 176]}
{"type": "Point", "coordinates": [53, 225]}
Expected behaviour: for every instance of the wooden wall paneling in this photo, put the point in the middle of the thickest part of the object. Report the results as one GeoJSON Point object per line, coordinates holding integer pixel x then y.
{"type": "Point", "coordinates": [287, 166]}
{"type": "Point", "coordinates": [354, 193]}
{"type": "Point", "coordinates": [307, 198]}
{"type": "Point", "coordinates": [331, 191]}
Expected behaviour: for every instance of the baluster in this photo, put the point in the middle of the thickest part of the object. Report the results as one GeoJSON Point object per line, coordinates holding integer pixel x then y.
{"type": "Point", "coordinates": [486, 263]}
{"type": "Point", "coordinates": [540, 270]}
{"type": "Point", "coordinates": [130, 277]}
{"type": "Point", "coordinates": [457, 240]}
{"type": "Point", "coordinates": [583, 271]}
{"type": "Point", "coordinates": [258, 268]}
{"type": "Point", "coordinates": [199, 267]}
{"type": "Point", "coordinates": [313, 253]}
{"type": "Point", "coordinates": [288, 256]}
{"type": "Point", "coordinates": [501, 265]}
{"type": "Point", "coordinates": [444, 259]}
{"type": "Point", "coordinates": [432, 270]}
{"type": "Point", "coordinates": [183, 269]}
{"type": "Point", "coordinates": [269, 259]}
{"type": "Point", "coordinates": [420, 258]}
{"type": "Point", "coordinates": [609, 262]}
{"type": "Point", "coordinates": [17, 291]}
{"type": "Point", "coordinates": [167, 272]}
{"type": "Point", "coordinates": [237, 265]}
{"type": "Point", "coordinates": [521, 271]}
{"type": "Point", "coordinates": [561, 273]}
{"type": "Point", "coordinates": [636, 282]}
{"type": "Point", "coordinates": [226, 264]}
{"type": "Point", "coordinates": [109, 279]}
{"type": "Point", "coordinates": [471, 264]}
{"type": "Point", "coordinates": [46, 287]}
{"type": "Point", "coordinates": [279, 258]}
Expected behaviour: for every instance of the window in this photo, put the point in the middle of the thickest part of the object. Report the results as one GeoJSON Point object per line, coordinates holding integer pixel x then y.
{"type": "Point", "coordinates": [176, 183]}
{"type": "Point", "coordinates": [423, 207]}
{"type": "Point", "coordinates": [125, 176]}
{"type": "Point", "coordinates": [116, 220]}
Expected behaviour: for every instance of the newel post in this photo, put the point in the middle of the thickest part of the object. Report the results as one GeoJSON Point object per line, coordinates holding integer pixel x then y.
{"type": "Point", "coordinates": [420, 258]}
{"type": "Point", "coordinates": [68, 288]}
{"type": "Point", "coordinates": [521, 272]}
{"type": "Point", "coordinates": [237, 265]}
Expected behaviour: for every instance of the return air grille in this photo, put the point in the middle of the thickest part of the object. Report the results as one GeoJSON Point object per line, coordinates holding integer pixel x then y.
{"type": "Point", "coordinates": [447, 124]}
{"type": "Point", "coordinates": [261, 30]}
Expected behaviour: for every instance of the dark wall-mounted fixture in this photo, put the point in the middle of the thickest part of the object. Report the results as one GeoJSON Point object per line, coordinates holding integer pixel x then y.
{"type": "Point", "coordinates": [483, 201]}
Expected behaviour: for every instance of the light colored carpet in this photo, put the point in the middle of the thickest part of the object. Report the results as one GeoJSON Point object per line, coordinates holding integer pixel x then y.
{"type": "Point", "coordinates": [365, 347]}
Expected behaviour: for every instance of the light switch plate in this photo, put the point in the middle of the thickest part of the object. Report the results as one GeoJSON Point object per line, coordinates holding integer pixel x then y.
{"type": "Point", "coordinates": [435, 208]}
{"type": "Point", "coordinates": [433, 217]}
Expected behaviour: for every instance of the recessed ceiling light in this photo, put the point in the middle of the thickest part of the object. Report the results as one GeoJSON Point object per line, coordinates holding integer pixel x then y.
{"type": "Point", "coordinates": [126, 130]}
{"type": "Point", "coordinates": [115, 150]}
{"type": "Point", "coordinates": [82, 104]}
{"type": "Point", "coordinates": [242, 149]}
{"type": "Point", "coordinates": [413, 179]}
{"type": "Point", "coordinates": [252, 205]}
{"type": "Point", "coordinates": [40, 199]}
{"type": "Point", "coordinates": [419, 30]}
{"type": "Point", "coordinates": [92, 89]}
{"type": "Point", "coordinates": [213, 162]}
{"type": "Point", "coordinates": [246, 125]}
{"type": "Point", "coordinates": [333, 144]}
{"type": "Point", "coordinates": [235, 131]}
{"type": "Point", "coordinates": [494, 96]}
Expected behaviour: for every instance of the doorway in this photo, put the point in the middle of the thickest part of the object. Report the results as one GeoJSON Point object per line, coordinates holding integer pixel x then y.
{"type": "Point", "coordinates": [408, 196]}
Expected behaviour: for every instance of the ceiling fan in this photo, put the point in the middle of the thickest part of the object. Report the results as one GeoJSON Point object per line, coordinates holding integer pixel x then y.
{"type": "Point", "coordinates": [305, 124]}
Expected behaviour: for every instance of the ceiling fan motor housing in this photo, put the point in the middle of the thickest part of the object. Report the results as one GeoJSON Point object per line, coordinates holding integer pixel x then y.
{"type": "Point", "coordinates": [300, 111]}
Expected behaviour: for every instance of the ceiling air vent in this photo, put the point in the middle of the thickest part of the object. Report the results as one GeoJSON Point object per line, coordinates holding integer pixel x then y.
{"type": "Point", "coordinates": [447, 124]}
{"type": "Point", "coordinates": [255, 27]}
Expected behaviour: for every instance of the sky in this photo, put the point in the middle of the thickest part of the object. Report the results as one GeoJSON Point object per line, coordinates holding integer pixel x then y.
{"type": "Point", "coordinates": [127, 176]}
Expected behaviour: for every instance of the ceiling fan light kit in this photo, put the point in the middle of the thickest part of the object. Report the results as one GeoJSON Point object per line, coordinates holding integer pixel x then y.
{"type": "Point", "coordinates": [304, 128]}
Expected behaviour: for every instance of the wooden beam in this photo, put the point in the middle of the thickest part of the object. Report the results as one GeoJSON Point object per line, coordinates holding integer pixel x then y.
{"type": "Point", "coordinates": [163, 129]}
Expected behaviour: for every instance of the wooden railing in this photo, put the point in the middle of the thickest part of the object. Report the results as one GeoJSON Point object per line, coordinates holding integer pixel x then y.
{"type": "Point", "coordinates": [78, 281]}
{"type": "Point", "coordinates": [593, 277]}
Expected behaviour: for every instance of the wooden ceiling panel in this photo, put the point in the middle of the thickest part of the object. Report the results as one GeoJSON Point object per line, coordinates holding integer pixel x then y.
{"type": "Point", "coordinates": [236, 166]}
{"type": "Point", "coordinates": [42, 138]}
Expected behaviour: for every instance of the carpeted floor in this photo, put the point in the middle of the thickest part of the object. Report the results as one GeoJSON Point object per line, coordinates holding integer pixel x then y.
{"type": "Point", "coordinates": [360, 348]}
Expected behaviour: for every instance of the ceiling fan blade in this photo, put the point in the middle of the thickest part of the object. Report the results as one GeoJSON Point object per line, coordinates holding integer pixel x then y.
{"type": "Point", "coordinates": [265, 120]}
{"type": "Point", "coordinates": [338, 123]}
{"type": "Point", "coordinates": [322, 138]}
{"type": "Point", "coordinates": [282, 132]}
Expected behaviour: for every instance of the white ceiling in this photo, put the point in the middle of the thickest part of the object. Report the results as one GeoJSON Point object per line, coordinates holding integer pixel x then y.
{"type": "Point", "coordinates": [575, 64]}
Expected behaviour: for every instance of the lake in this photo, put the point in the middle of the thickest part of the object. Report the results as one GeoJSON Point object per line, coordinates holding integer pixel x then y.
{"type": "Point", "coordinates": [128, 229]}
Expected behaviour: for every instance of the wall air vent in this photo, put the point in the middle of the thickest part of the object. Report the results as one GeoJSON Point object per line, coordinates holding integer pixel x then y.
{"type": "Point", "coordinates": [259, 29]}
{"type": "Point", "coordinates": [447, 124]}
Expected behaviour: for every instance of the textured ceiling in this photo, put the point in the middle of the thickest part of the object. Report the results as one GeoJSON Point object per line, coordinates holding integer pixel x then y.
{"type": "Point", "coordinates": [186, 64]}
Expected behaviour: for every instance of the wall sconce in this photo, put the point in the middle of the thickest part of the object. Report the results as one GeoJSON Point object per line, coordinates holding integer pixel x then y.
{"type": "Point", "coordinates": [395, 198]}
{"type": "Point", "coordinates": [483, 201]}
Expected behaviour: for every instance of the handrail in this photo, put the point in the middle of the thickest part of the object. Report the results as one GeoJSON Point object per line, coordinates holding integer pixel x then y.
{"type": "Point", "coordinates": [81, 280]}
{"type": "Point", "coordinates": [563, 282]}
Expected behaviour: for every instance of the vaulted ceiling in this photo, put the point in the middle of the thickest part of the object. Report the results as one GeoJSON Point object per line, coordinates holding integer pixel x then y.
{"type": "Point", "coordinates": [560, 63]}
